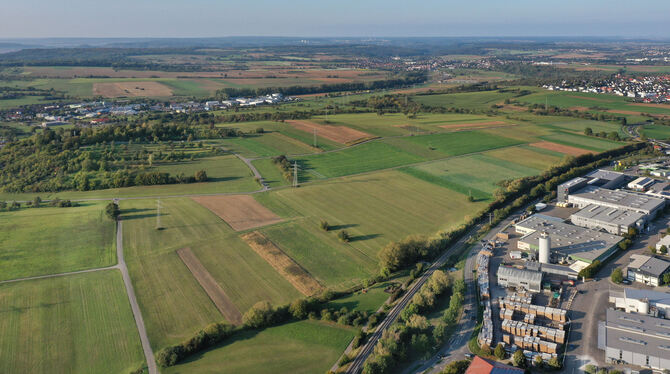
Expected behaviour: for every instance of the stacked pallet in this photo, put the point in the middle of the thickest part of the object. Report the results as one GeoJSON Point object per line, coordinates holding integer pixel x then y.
{"type": "Point", "coordinates": [533, 343]}
{"type": "Point", "coordinates": [554, 314]}
{"type": "Point", "coordinates": [519, 328]}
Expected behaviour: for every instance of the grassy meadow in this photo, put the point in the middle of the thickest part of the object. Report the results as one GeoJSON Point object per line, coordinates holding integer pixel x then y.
{"type": "Point", "coordinates": [73, 324]}
{"type": "Point", "coordinates": [46, 240]}
{"type": "Point", "coordinates": [298, 347]}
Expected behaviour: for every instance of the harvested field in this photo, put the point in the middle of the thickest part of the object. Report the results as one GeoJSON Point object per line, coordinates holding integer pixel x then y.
{"type": "Point", "coordinates": [574, 151]}
{"type": "Point", "coordinates": [289, 269]}
{"type": "Point", "coordinates": [213, 290]}
{"type": "Point", "coordinates": [475, 125]}
{"type": "Point", "coordinates": [241, 212]}
{"type": "Point", "coordinates": [339, 134]}
{"type": "Point", "coordinates": [131, 89]}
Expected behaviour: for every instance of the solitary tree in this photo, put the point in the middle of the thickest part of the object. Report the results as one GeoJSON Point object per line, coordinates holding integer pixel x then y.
{"type": "Point", "coordinates": [663, 250]}
{"type": "Point", "coordinates": [36, 202]}
{"type": "Point", "coordinates": [666, 278]}
{"type": "Point", "coordinates": [112, 210]}
{"type": "Point", "coordinates": [201, 176]}
{"type": "Point", "coordinates": [554, 363]}
{"type": "Point", "coordinates": [344, 236]}
{"type": "Point", "coordinates": [324, 225]}
{"type": "Point", "coordinates": [617, 276]}
{"type": "Point", "coordinates": [538, 361]}
{"type": "Point", "coordinates": [588, 131]}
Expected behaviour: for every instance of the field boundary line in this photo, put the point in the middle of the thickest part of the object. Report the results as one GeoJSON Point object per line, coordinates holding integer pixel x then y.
{"type": "Point", "coordinates": [59, 274]}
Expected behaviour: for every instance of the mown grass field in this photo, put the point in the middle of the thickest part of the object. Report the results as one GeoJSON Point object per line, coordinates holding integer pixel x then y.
{"type": "Point", "coordinates": [269, 144]}
{"type": "Point", "coordinates": [298, 347]}
{"type": "Point", "coordinates": [73, 324]}
{"type": "Point", "coordinates": [468, 100]}
{"type": "Point", "coordinates": [375, 209]}
{"type": "Point", "coordinates": [173, 304]}
{"type": "Point", "coordinates": [40, 241]}
{"type": "Point", "coordinates": [475, 174]}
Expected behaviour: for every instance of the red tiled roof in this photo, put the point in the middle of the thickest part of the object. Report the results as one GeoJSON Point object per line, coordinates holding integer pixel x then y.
{"type": "Point", "coordinates": [484, 366]}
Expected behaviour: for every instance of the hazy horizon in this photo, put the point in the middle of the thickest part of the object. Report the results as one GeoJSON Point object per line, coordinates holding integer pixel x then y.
{"type": "Point", "coordinates": [346, 18]}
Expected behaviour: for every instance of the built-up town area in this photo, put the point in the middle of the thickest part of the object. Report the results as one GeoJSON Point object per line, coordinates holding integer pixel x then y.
{"type": "Point", "coordinates": [537, 279]}
{"type": "Point", "coordinates": [646, 89]}
{"type": "Point", "coordinates": [99, 112]}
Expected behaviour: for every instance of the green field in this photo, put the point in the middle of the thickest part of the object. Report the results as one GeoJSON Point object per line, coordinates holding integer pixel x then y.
{"type": "Point", "coordinates": [375, 209]}
{"type": "Point", "coordinates": [40, 241]}
{"type": "Point", "coordinates": [474, 174]}
{"type": "Point", "coordinates": [268, 144]}
{"type": "Point", "coordinates": [582, 141]}
{"type": "Point", "coordinates": [173, 304]}
{"type": "Point", "coordinates": [468, 100]}
{"type": "Point", "coordinates": [72, 324]}
{"type": "Point", "coordinates": [270, 172]}
{"type": "Point", "coordinates": [656, 131]}
{"type": "Point", "coordinates": [299, 347]}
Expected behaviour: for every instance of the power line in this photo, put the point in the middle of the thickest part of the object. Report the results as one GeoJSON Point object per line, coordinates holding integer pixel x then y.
{"type": "Point", "coordinates": [158, 215]}
{"type": "Point", "coordinates": [295, 174]}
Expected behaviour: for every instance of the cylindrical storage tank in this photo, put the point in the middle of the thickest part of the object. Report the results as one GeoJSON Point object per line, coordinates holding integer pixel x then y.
{"type": "Point", "coordinates": [643, 306]}
{"type": "Point", "coordinates": [545, 248]}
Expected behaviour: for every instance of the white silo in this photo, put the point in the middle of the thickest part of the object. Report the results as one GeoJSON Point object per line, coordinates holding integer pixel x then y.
{"type": "Point", "coordinates": [545, 248]}
{"type": "Point", "coordinates": [643, 306]}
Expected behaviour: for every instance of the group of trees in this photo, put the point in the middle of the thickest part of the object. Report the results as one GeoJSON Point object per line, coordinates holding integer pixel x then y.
{"type": "Point", "coordinates": [413, 334]}
{"type": "Point", "coordinates": [612, 135]}
{"type": "Point", "coordinates": [203, 339]}
{"type": "Point", "coordinates": [401, 81]}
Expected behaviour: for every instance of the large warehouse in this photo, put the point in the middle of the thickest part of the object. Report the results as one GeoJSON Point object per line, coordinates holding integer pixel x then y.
{"type": "Point", "coordinates": [623, 200]}
{"type": "Point", "coordinates": [517, 278]}
{"type": "Point", "coordinates": [597, 178]}
{"type": "Point", "coordinates": [613, 220]}
{"type": "Point", "coordinates": [577, 243]}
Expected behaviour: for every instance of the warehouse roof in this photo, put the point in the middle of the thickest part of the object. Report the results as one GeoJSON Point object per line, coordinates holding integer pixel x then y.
{"type": "Point", "coordinates": [605, 174]}
{"type": "Point", "coordinates": [654, 297]}
{"type": "Point", "coordinates": [648, 265]}
{"type": "Point", "coordinates": [638, 333]}
{"type": "Point", "coordinates": [572, 182]}
{"type": "Point", "coordinates": [519, 274]}
{"type": "Point", "coordinates": [622, 217]}
{"type": "Point", "coordinates": [623, 199]}
{"type": "Point", "coordinates": [569, 240]}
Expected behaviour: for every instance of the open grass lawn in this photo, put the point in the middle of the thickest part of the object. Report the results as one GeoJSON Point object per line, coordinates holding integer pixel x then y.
{"type": "Point", "coordinates": [298, 347]}
{"type": "Point", "coordinates": [369, 301]}
{"type": "Point", "coordinates": [656, 131]}
{"type": "Point", "coordinates": [298, 141]}
{"type": "Point", "coordinates": [39, 241]}
{"type": "Point", "coordinates": [173, 303]}
{"type": "Point", "coordinates": [474, 174]}
{"type": "Point", "coordinates": [578, 126]}
{"type": "Point", "coordinates": [364, 158]}
{"type": "Point", "coordinates": [582, 141]}
{"type": "Point", "coordinates": [73, 324]}
{"type": "Point", "coordinates": [231, 174]}
{"type": "Point", "coordinates": [375, 209]}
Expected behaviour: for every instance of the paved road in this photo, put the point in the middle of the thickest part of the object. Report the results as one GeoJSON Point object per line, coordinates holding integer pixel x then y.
{"type": "Point", "coordinates": [368, 348]}
{"type": "Point", "coordinates": [257, 174]}
{"type": "Point", "coordinates": [144, 338]}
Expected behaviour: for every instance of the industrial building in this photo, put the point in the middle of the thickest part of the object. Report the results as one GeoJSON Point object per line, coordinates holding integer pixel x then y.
{"type": "Point", "coordinates": [635, 339]}
{"type": "Point", "coordinates": [597, 178]}
{"type": "Point", "coordinates": [660, 190]}
{"type": "Point", "coordinates": [641, 184]}
{"type": "Point", "coordinates": [520, 279]}
{"type": "Point", "coordinates": [623, 200]}
{"type": "Point", "coordinates": [642, 301]}
{"type": "Point", "coordinates": [646, 269]}
{"type": "Point", "coordinates": [613, 220]}
{"type": "Point", "coordinates": [559, 270]}
{"type": "Point", "coordinates": [566, 240]}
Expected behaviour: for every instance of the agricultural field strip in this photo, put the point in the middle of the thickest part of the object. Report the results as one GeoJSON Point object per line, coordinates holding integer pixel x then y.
{"type": "Point", "coordinates": [208, 283]}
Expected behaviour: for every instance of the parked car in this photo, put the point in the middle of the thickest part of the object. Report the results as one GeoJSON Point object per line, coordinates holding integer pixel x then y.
{"type": "Point", "coordinates": [625, 281]}
{"type": "Point", "coordinates": [469, 355]}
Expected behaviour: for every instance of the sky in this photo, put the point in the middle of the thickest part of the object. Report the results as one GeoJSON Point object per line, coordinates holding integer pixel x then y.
{"type": "Point", "coordinates": [315, 18]}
